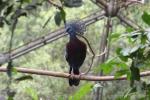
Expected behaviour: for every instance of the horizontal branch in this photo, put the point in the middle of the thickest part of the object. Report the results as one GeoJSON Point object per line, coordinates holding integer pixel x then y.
{"type": "Point", "coordinates": [66, 75]}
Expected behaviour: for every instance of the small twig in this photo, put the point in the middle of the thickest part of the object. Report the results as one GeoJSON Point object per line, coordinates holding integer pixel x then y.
{"type": "Point", "coordinates": [102, 2]}
{"type": "Point", "coordinates": [91, 52]}
{"type": "Point", "coordinates": [128, 22]}
{"type": "Point", "coordinates": [98, 55]}
{"type": "Point", "coordinates": [98, 4]}
{"type": "Point", "coordinates": [58, 6]}
{"type": "Point", "coordinates": [46, 22]}
{"type": "Point", "coordinates": [128, 3]}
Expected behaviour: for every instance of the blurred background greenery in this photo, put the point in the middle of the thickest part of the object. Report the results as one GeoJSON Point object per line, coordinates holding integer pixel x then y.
{"type": "Point", "coordinates": [51, 56]}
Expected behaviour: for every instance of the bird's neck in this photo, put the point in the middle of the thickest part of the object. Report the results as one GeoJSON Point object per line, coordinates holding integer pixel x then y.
{"type": "Point", "coordinates": [73, 36]}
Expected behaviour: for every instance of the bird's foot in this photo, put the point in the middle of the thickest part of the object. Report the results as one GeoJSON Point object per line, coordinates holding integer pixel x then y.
{"type": "Point", "coordinates": [71, 76]}
{"type": "Point", "coordinates": [82, 75]}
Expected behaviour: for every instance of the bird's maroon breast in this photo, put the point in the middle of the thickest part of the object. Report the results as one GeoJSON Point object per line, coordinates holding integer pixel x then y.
{"type": "Point", "coordinates": [76, 52]}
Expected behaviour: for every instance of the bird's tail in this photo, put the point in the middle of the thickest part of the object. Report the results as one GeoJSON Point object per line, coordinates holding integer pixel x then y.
{"type": "Point", "coordinates": [75, 81]}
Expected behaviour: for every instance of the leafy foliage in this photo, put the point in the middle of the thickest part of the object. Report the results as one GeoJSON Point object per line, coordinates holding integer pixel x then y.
{"type": "Point", "coordinates": [81, 92]}
{"type": "Point", "coordinates": [129, 59]}
{"type": "Point", "coordinates": [146, 18]}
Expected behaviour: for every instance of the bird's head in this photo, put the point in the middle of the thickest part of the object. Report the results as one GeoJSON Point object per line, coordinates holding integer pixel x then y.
{"type": "Point", "coordinates": [74, 28]}
{"type": "Point", "coordinates": [71, 30]}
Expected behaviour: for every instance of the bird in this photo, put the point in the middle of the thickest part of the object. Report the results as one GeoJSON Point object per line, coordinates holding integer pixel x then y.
{"type": "Point", "coordinates": [75, 54]}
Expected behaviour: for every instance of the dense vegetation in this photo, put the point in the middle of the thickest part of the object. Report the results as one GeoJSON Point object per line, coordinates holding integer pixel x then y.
{"type": "Point", "coordinates": [129, 53]}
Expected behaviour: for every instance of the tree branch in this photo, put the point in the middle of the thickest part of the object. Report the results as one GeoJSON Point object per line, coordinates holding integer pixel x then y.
{"type": "Point", "coordinates": [66, 75]}
{"type": "Point", "coordinates": [128, 21]}
{"type": "Point", "coordinates": [50, 37]}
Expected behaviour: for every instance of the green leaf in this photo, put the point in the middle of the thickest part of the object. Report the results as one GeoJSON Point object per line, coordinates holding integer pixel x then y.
{"type": "Point", "coordinates": [106, 67]}
{"type": "Point", "coordinates": [25, 77]}
{"type": "Point", "coordinates": [24, 1]}
{"type": "Point", "coordinates": [73, 3]}
{"type": "Point", "coordinates": [146, 17]}
{"type": "Point", "coordinates": [27, 1]}
{"type": "Point", "coordinates": [143, 39]}
{"type": "Point", "coordinates": [10, 98]}
{"type": "Point", "coordinates": [14, 71]}
{"type": "Point", "coordinates": [30, 7]}
{"type": "Point", "coordinates": [135, 74]}
{"type": "Point", "coordinates": [129, 29]}
{"type": "Point", "coordinates": [58, 18]}
{"type": "Point", "coordinates": [114, 36]}
{"type": "Point", "coordinates": [32, 93]}
{"type": "Point", "coordinates": [123, 98]}
{"type": "Point", "coordinates": [63, 14]}
{"type": "Point", "coordinates": [9, 10]}
{"type": "Point", "coordinates": [121, 72]}
{"type": "Point", "coordinates": [130, 92]}
{"type": "Point", "coordinates": [123, 53]}
{"type": "Point", "coordinates": [81, 93]}
{"type": "Point", "coordinates": [9, 69]}
{"type": "Point", "coordinates": [11, 94]}
{"type": "Point", "coordinates": [137, 52]}
{"type": "Point", "coordinates": [134, 51]}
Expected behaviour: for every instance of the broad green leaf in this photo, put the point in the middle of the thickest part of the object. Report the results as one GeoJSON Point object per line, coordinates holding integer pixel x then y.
{"type": "Point", "coordinates": [146, 17]}
{"type": "Point", "coordinates": [135, 75]}
{"type": "Point", "coordinates": [106, 67]}
{"type": "Point", "coordinates": [81, 93]}
{"type": "Point", "coordinates": [58, 18]}
{"type": "Point", "coordinates": [121, 72]}
{"type": "Point", "coordinates": [9, 69]}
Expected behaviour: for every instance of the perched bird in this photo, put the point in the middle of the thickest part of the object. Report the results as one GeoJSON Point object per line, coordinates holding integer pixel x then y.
{"type": "Point", "coordinates": [75, 54]}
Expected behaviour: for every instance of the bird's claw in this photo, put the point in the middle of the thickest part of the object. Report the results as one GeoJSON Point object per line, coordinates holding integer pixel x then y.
{"type": "Point", "coordinates": [81, 75]}
{"type": "Point", "coordinates": [71, 76]}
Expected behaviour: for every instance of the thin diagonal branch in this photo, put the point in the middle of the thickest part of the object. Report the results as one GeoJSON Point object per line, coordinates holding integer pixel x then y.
{"type": "Point", "coordinates": [128, 22]}
{"type": "Point", "coordinates": [26, 48]}
{"type": "Point", "coordinates": [102, 2]}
